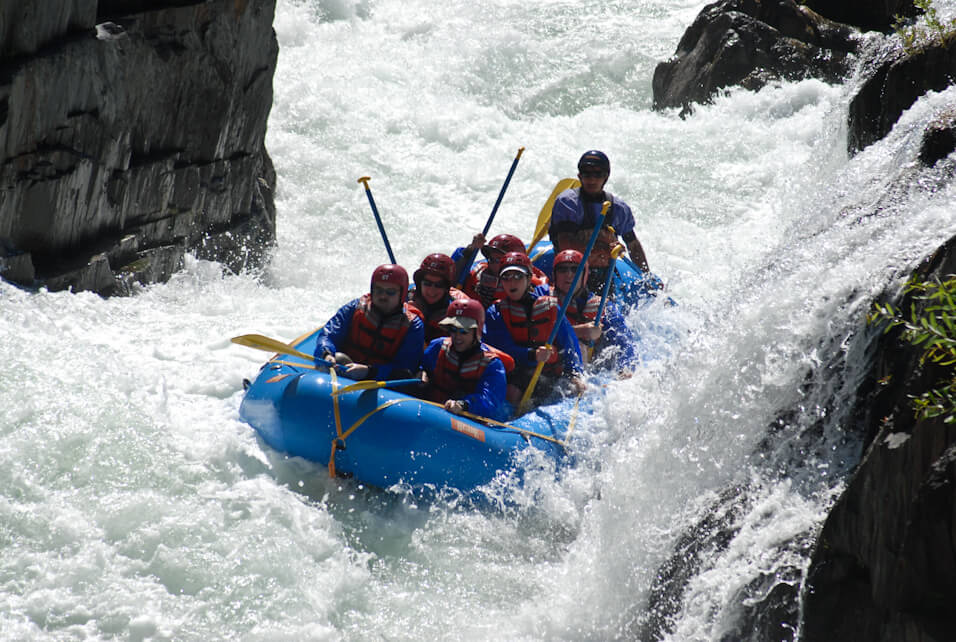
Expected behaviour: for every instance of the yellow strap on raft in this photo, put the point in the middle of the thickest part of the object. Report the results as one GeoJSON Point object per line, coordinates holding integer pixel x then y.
{"type": "Point", "coordinates": [339, 441]}
{"type": "Point", "coordinates": [338, 424]}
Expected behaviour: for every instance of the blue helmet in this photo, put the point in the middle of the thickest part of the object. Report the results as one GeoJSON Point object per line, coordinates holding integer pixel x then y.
{"type": "Point", "coordinates": [595, 158]}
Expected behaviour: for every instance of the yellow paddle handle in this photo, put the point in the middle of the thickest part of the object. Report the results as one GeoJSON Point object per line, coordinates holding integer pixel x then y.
{"type": "Point", "coordinates": [526, 398]}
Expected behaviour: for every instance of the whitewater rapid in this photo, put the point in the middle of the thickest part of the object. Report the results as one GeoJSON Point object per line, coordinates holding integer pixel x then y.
{"type": "Point", "coordinates": [134, 504]}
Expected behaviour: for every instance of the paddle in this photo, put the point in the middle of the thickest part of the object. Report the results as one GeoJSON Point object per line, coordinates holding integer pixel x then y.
{"type": "Point", "coordinates": [616, 252]}
{"type": "Point", "coordinates": [492, 422]}
{"type": "Point", "coordinates": [381, 228]}
{"type": "Point", "coordinates": [544, 217]}
{"type": "Point", "coordinates": [522, 407]}
{"type": "Point", "coordinates": [374, 385]}
{"type": "Point", "coordinates": [494, 210]}
{"type": "Point", "coordinates": [261, 342]}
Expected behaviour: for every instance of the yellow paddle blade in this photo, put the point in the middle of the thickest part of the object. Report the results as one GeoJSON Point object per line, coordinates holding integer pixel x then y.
{"type": "Point", "coordinates": [360, 385]}
{"type": "Point", "coordinates": [260, 342]}
{"type": "Point", "coordinates": [369, 384]}
{"type": "Point", "coordinates": [544, 218]}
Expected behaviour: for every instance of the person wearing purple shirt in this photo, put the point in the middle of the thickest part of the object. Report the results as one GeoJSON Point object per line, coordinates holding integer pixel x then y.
{"type": "Point", "coordinates": [576, 211]}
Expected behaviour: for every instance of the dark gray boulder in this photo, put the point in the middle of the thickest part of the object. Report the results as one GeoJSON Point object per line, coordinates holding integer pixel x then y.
{"type": "Point", "coordinates": [939, 140]}
{"type": "Point", "coordinates": [131, 133]}
{"type": "Point", "coordinates": [893, 86]}
{"type": "Point", "coordinates": [749, 43]}
{"type": "Point", "coordinates": [875, 15]}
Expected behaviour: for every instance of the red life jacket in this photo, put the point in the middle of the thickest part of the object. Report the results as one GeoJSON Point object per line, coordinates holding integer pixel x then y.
{"type": "Point", "coordinates": [432, 317]}
{"type": "Point", "coordinates": [588, 314]}
{"type": "Point", "coordinates": [485, 287]}
{"type": "Point", "coordinates": [531, 330]}
{"type": "Point", "coordinates": [538, 277]}
{"type": "Point", "coordinates": [373, 340]}
{"type": "Point", "coordinates": [453, 378]}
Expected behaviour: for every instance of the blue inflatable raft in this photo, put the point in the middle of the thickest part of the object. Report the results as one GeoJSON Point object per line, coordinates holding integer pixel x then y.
{"type": "Point", "coordinates": [384, 437]}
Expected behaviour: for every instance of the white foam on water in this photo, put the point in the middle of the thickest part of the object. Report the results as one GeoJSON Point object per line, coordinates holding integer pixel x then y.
{"type": "Point", "coordinates": [135, 504]}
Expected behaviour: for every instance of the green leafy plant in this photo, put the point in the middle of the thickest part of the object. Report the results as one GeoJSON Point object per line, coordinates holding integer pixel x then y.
{"type": "Point", "coordinates": [932, 327]}
{"type": "Point", "coordinates": [916, 37]}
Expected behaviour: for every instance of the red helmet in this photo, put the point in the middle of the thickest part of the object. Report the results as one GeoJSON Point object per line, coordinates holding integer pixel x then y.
{"type": "Point", "coordinates": [503, 243]}
{"type": "Point", "coordinates": [515, 260]}
{"type": "Point", "coordinates": [390, 273]}
{"type": "Point", "coordinates": [460, 311]}
{"type": "Point", "coordinates": [437, 264]}
{"type": "Point", "coordinates": [571, 256]}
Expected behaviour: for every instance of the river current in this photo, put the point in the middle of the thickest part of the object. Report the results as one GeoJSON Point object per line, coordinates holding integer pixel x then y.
{"type": "Point", "coordinates": [135, 505]}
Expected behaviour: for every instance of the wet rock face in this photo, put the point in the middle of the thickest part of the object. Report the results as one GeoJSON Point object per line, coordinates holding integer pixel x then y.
{"type": "Point", "coordinates": [131, 133]}
{"type": "Point", "coordinates": [749, 43]}
{"type": "Point", "coordinates": [884, 567]}
{"type": "Point", "coordinates": [939, 141]}
{"type": "Point", "coordinates": [892, 88]}
{"type": "Point", "coordinates": [877, 15]}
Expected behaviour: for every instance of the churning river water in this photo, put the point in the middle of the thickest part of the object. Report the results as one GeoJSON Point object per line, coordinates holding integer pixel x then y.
{"type": "Point", "coordinates": [135, 505]}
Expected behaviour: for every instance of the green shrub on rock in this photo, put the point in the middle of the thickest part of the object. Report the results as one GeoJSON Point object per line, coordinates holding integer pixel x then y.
{"type": "Point", "coordinates": [931, 326]}
{"type": "Point", "coordinates": [917, 37]}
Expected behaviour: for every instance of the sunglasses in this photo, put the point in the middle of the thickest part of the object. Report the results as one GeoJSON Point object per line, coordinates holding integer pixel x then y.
{"type": "Point", "coordinates": [566, 269]}
{"type": "Point", "coordinates": [592, 174]}
{"type": "Point", "coordinates": [385, 291]}
{"type": "Point", "coordinates": [460, 331]}
{"type": "Point", "coordinates": [513, 276]}
{"type": "Point", "coordinates": [432, 284]}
